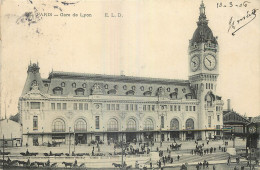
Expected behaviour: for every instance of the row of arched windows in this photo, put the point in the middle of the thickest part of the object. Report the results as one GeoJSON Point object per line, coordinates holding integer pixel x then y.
{"type": "Point", "coordinates": [81, 125]}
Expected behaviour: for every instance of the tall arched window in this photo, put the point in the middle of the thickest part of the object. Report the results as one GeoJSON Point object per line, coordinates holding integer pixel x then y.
{"type": "Point", "coordinates": [112, 125]}
{"type": "Point", "coordinates": [80, 125]}
{"type": "Point", "coordinates": [58, 125]}
{"type": "Point", "coordinates": [189, 124]}
{"type": "Point", "coordinates": [148, 124]}
{"type": "Point", "coordinates": [174, 124]}
{"type": "Point", "coordinates": [131, 124]}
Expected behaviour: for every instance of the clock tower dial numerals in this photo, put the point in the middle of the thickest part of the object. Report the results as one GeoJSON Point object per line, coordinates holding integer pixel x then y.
{"type": "Point", "coordinates": [194, 63]}
{"type": "Point", "coordinates": [210, 62]}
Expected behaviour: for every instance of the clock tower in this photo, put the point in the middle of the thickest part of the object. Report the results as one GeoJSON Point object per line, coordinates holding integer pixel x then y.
{"type": "Point", "coordinates": [203, 71]}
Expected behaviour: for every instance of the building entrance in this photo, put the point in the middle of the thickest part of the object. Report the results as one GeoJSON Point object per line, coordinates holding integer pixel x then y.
{"type": "Point", "coordinates": [148, 136]}
{"type": "Point", "coordinates": [174, 135]}
{"type": "Point", "coordinates": [189, 135]}
{"type": "Point", "coordinates": [112, 137]}
{"type": "Point", "coordinates": [162, 137]}
{"type": "Point", "coordinates": [80, 138]}
{"type": "Point", "coordinates": [130, 137]}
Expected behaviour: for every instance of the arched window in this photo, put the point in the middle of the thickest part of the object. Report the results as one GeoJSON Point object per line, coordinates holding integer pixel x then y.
{"type": "Point", "coordinates": [58, 91]}
{"type": "Point", "coordinates": [131, 124]}
{"type": "Point", "coordinates": [112, 125]}
{"type": "Point", "coordinates": [209, 100]}
{"type": "Point", "coordinates": [74, 85]}
{"type": "Point", "coordinates": [189, 124]}
{"type": "Point", "coordinates": [62, 84]}
{"type": "Point", "coordinates": [79, 91]}
{"type": "Point", "coordinates": [174, 124]}
{"type": "Point", "coordinates": [80, 125]}
{"type": "Point", "coordinates": [58, 125]}
{"type": "Point", "coordinates": [148, 124]}
{"type": "Point", "coordinates": [84, 85]}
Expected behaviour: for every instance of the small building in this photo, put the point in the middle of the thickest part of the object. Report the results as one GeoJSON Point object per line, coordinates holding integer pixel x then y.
{"type": "Point", "coordinates": [234, 123]}
{"type": "Point", "coordinates": [11, 131]}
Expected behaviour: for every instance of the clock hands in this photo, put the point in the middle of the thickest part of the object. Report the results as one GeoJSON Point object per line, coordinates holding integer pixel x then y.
{"type": "Point", "coordinates": [209, 61]}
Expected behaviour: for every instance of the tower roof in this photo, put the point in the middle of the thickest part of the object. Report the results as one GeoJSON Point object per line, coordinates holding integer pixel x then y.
{"type": "Point", "coordinates": [203, 33]}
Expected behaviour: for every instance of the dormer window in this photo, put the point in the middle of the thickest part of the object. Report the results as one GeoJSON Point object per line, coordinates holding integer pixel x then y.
{"type": "Point", "coordinates": [115, 87]}
{"type": "Point", "coordinates": [147, 93]}
{"type": "Point", "coordinates": [106, 86]}
{"type": "Point", "coordinates": [150, 88]}
{"type": "Point", "coordinates": [84, 85]}
{"type": "Point", "coordinates": [174, 95]}
{"type": "Point", "coordinates": [168, 89]}
{"type": "Point", "coordinates": [142, 88]}
{"type": "Point", "coordinates": [79, 92]}
{"type": "Point", "coordinates": [62, 84]}
{"type": "Point", "coordinates": [74, 85]}
{"type": "Point", "coordinates": [130, 92]}
{"type": "Point", "coordinates": [57, 91]}
{"type": "Point", "coordinates": [133, 87]}
{"type": "Point", "coordinates": [112, 91]}
{"type": "Point", "coordinates": [124, 87]}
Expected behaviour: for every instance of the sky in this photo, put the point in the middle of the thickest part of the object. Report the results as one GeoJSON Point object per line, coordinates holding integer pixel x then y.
{"type": "Point", "coordinates": [150, 39]}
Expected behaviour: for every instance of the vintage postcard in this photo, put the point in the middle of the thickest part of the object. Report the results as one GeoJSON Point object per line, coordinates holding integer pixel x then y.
{"type": "Point", "coordinates": [130, 84]}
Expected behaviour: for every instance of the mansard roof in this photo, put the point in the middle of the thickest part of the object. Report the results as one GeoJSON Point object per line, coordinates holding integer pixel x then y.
{"type": "Point", "coordinates": [118, 78]}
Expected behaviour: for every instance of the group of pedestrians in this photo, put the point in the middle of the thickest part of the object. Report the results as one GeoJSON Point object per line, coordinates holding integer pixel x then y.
{"type": "Point", "coordinates": [203, 165]}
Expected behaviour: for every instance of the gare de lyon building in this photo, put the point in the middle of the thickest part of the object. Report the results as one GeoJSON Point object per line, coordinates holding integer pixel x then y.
{"type": "Point", "coordinates": [77, 107]}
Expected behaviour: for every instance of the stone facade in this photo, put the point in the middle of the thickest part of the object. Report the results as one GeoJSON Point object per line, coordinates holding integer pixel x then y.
{"type": "Point", "coordinates": [78, 108]}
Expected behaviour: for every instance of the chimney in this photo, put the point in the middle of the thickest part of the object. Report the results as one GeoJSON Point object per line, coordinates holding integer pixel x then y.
{"type": "Point", "coordinates": [228, 105]}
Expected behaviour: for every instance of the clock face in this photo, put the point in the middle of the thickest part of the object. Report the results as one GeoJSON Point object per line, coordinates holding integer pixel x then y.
{"type": "Point", "coordinates": [194, 63]}
{"type": "Point", "coordinates": [210, 62]}
{"type": "Point", "coordinates": [252, 129]}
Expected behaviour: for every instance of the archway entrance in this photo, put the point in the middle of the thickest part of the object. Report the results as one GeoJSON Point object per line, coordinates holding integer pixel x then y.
{"type": "Point", "coordinates": [80, 138]}
{"type": "Point", "coordinates": [174, 135]}
{"type": "Point", "coordinates": [130, 137]}
{"type": "Point", "coordinates": [112, 137]}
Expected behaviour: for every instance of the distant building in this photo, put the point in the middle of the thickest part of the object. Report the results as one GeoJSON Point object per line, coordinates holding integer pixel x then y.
{"type": "Point", "coordinates": [84, 107]}
{"type": "Point", "coordinates": [12, 133]}
{"type": "Point", "coordinates": [234, 123]}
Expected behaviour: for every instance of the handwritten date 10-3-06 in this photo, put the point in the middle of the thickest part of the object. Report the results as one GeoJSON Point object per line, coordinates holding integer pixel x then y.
{"type": "Point", "coordinates": [232, 4]}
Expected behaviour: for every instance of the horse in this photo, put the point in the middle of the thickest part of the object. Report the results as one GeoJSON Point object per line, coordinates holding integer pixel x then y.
{"type": "Point", "coordinates": [82, 165]}
{"type": "Point", "coordinates": [116, 165]}
{"type": "Point", "coordinates": [22, 163]}
{"type": "Point", "coordinates": [40, 164]}
{"type": "Point", "coordinates": [58, 154]}
{"type": "Point", "coordinates": [54, 165]}
{"type": "Point", "coordinates": [67, 164]}
{"type": "Point", "coordinates": [46, 154]}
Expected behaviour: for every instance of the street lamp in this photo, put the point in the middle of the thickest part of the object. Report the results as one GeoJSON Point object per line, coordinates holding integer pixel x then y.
{"type": "Point", "coordinates": [250, 150]}
{"type": "Point", "coordinates": [69, 140]}
{"type": "Point", "coordinates": [233, 137]}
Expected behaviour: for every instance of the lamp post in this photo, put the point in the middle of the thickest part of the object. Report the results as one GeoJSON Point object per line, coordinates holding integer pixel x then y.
{"type": "Point", "coordinates": [250, 150]}
{"type": "Point", "coordinates": [3, 150]}
{"type": "Point", "coordinates": [233, 137]}
{"type": "Point", "coordinates": [69, 140]}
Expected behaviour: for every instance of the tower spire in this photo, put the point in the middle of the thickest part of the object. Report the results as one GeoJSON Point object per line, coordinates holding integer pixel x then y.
{"type": "Point", "coordinates": [202, 17]}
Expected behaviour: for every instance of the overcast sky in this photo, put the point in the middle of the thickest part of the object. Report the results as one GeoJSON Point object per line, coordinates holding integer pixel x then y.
{"type": "Point", "coordinates": [149, 40]}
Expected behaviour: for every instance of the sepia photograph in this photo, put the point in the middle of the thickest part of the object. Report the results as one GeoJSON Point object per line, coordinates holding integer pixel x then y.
{"type": "Point", "coordinates": [130, 84]}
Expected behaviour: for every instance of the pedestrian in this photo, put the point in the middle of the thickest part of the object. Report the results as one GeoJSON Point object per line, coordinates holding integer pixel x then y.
{"type": "Point", "coordinates": [178, 157]}
{"type": "Point", "coordinates": [214, 167]}
{"type": "Point", "coordinates": [159, 164]}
